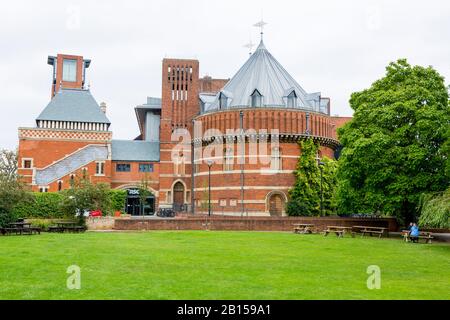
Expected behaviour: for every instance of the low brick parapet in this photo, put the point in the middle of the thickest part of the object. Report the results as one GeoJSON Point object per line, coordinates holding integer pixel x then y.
{"type": "Point", "coordinates": [247, 223]}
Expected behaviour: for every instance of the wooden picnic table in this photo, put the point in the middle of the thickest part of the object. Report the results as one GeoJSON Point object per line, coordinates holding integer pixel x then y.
{"type": "Point", "coordinates": [428, 236]}
{"type": "Point", "coordinates": [371, 230]}
{"type": "Point", "coordinates": [21, 228]}
{"type": "Point", "coordinates": [70, 226]}
{"type": "Point", "coordinates": [338, 230]}
{"type": "Point", "coordinates": [303, 227]}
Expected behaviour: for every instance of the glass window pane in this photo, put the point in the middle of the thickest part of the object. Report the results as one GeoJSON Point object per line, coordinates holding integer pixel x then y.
{"type": "Point", "coordinates": [69, 70]}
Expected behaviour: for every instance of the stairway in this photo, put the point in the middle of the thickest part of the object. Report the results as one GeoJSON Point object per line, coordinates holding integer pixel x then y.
{"type": "Point", "coordinates": [71, 163]}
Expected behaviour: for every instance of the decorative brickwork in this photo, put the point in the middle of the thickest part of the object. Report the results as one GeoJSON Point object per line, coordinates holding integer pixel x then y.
{"type": "Point", "coordinates": [52, 134]}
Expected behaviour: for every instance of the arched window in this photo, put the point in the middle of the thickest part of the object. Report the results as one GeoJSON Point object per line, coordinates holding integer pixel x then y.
{"type": "Point", "coordinates": [292, 100]}
{"type": "Point", "coordinates": [256, 99]}
{"type": "Point", "coordinates": [222, 101]}
{"type": "Point", "coordinates": [60, 185]}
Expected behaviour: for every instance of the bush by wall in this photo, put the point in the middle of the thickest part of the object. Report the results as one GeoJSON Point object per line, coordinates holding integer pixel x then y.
{"type": "Point", "coordinates": [118, 198]}
{"type": "Point", "coordinates": [42, 205]}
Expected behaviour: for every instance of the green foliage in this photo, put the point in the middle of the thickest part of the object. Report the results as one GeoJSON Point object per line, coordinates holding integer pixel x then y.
{"type": "Point", "coordinates": [144, 191]}
{"type": "Point", "coordinates": [304, 197]}
{"type": "Point", "coordinates": [41, 205]}
{"type": "Point", "coordinates": [85, 196]}
{"type": "Point", "coordinates": [118, 199]}
{"type": "Point", "coordinates": [435, 210]}
{"type": "Point", "coordinates": [12, 193]}
{"type": "Point", "coordinates": [394, 149]}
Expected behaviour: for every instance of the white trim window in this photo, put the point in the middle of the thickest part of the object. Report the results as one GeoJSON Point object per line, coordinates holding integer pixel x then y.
{"type": "Point", "coordinates": [43, 189]}
{"type": "Point", "coordinates": [276, 160]}
{"type": "Point", "coordinates": [27, 163]}
{"type": "Point", "coordinates": [100, 168]}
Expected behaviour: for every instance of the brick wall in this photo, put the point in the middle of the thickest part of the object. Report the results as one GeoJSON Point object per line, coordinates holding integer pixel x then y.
{"type": "Point", "coordinates": [251, 223]}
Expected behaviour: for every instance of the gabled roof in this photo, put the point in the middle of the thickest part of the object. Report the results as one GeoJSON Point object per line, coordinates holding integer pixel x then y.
{"type": "Point", "coordinates": [75, 105]}
{"type": "Point", "coordinates": [134, 150]}
{"type": "Point", "coordinates": [262, 72]}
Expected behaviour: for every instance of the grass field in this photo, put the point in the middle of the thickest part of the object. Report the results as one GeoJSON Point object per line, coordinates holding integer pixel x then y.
{"type": "Point", "coordinates": [220, 265]}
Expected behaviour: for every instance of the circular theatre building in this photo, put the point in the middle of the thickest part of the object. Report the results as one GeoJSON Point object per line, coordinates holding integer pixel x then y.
{"type": "Point", "coordinates": [246, 139]}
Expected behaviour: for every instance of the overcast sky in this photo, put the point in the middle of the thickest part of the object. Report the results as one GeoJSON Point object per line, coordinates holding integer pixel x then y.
{"type": "Point", "coordinates": [335, 47]}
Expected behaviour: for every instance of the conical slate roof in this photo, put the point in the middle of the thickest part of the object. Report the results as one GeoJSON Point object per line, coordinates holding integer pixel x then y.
{"type": "Point", "coordinates": [262, 72]}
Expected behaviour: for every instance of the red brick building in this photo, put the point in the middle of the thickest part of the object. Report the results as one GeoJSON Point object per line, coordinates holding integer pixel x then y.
{"type": "Point", "coordinates": [236, 138]}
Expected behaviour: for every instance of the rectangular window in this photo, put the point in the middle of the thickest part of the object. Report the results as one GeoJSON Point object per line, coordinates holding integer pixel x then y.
{"type": "Point", "coordinates": [100, 168]}
{"type": "Point", "coordinates": [43, 189]}
{"type": "Point", "coordinates": [145, 167]}
{"type": "Point", "coordinates": [27, 164]}
{"type": "Point", "coordinates": [123, 167]}
{"type": "Point", "coordinates": [69, 70]}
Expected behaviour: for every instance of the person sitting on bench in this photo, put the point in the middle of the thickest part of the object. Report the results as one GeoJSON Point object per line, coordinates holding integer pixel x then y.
{"type": "Point", "coordinates": [414, 233]}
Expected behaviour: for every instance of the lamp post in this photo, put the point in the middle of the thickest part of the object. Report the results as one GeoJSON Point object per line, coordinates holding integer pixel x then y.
{"type": "Point", "coordinates": [321, 164]}
{"type": "Point", "coordinates": [209, 187]}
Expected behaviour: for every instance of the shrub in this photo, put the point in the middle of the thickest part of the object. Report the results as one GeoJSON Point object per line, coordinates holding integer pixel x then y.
{"type": "Point", "coordinates": [12, 193]}
{"type": "Point", "coordinates": [118, 198]}
{"type": "Point", "coordinates": [42, 205]}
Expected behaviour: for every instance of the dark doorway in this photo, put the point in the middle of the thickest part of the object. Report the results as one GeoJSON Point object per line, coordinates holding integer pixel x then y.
{"type": "Point", "coordinates": [178, 196]}
{"type": "Point", "coordinates": [276, 204]}
{"type": "Point", "coordinates": [134, 207]}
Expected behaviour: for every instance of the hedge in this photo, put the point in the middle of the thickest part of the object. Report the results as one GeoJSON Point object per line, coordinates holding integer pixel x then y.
{"type": "Point", "coordinates": [46, 205]}
{"type": "Point", "coordinates": [42, 205]}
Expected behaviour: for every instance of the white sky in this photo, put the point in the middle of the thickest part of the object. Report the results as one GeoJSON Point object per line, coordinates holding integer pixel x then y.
{"type": "Point", "coordinates": [336, 47]}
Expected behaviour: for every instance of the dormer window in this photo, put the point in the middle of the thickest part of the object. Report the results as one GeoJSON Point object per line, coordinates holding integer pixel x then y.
{"type": "Point", "coordinates": [222, 101]}
{"type": "Point", "coordinates": [292, 100]}
{"type": "Point", "coordinates": [256, 99]}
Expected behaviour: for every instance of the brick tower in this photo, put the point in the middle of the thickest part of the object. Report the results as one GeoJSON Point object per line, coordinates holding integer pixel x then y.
{"type": "Point", "coordinates": [179, 105]}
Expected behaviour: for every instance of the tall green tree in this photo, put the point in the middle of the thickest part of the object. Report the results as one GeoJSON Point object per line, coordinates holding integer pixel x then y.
{"type": "Point", "coordinates": [304, 197]}
{"type": "Point", "coordinates": [394, 147]}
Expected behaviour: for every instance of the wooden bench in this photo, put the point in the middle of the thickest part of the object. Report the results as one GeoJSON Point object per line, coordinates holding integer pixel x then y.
{"type": "Point", "coordinates": [338, 230]}
{"type": "Point", "coordinates": [428, 236]}
{"type": "Point", "coordinates": [69, 226]}
{"type": "Point", "coordinates": [363, 230]}
{"type": "Point", "coordinates": [303, 228]}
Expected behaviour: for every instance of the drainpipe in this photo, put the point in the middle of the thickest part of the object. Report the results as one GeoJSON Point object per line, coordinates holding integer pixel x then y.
{"type": "Point", "coordinates": [241, 118]}
{"type": "Point", "coordinates": [193, 168]}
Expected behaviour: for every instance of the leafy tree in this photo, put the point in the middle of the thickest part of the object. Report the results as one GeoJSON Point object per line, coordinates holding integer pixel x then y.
{"type": "Point", "coordinates": [304, 197]}
{"type": "Point", "coordinates": [394, 147]}
{"type": "Point", "coordinates": [144, 191]}
{"type": "Point", "coordinates": [12, 193]}
{"type": "Point", "coordinates": [8, 164]}
{"type": "Point", "coordinates": [435, 210]}
{"type": "Point", "coordinates": [118, 199]}
{"type": "Point", "coordinates": [85, 196]}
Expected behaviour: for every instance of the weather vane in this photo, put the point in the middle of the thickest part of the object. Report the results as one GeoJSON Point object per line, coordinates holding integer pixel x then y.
{"type": "Point", "coordinates": [261, 25]}
{"type": "Point", "coordinates": [249, 46]}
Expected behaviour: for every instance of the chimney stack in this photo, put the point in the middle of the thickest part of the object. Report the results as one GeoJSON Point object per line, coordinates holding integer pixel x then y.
{"type": "Point", "coordinates": [103, 107]}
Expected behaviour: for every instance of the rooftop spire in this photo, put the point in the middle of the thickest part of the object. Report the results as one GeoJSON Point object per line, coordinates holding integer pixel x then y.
{"type": "Point", "coordinates": [261, 25]}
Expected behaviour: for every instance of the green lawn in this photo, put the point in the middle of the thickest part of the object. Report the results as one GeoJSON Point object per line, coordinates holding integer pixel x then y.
{"type": "Point", "coordinates": [219, 265]}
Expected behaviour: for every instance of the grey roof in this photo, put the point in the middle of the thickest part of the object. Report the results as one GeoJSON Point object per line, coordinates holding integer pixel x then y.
{"type": "Point", "coordinates": [264, 73]}
{"type": "Point", "coordinates": [134, 150]}
{"type": "Point", "coordinates": [206, 99]}
{"type": "Point", "coordinates": [75, 105]}
{"type": "Point", "coordinates": [153, 104]}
